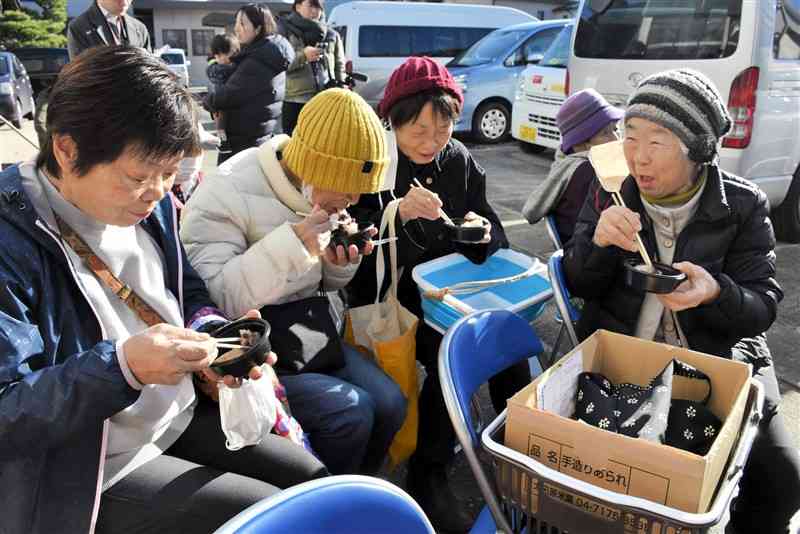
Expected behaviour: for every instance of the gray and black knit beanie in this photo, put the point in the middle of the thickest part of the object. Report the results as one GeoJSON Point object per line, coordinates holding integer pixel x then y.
{"type": "Point", "coordinates": [688, 104]}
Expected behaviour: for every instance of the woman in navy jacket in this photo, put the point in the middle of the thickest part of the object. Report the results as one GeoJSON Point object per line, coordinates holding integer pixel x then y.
{"type": "Point", "coordinates": [99, 424]}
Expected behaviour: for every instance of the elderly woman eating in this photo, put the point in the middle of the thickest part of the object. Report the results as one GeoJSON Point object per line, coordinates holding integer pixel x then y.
{"type": "Point", "coordinates": [101, 321]}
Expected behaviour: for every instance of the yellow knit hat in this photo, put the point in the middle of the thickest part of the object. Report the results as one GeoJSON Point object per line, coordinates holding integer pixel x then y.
{"type": "Point", "coordinates": [338, 144]}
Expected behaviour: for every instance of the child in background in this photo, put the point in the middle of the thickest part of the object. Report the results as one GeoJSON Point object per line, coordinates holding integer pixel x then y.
{"type": "Point", "coordinates": [584, 120]}
{"type": "Point", "coordinates": [219, 69]}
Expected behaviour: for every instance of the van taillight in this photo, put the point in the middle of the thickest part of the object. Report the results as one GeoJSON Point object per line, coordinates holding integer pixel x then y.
{"type": "Point", "coordinates": [566, 84]}
{"type": "Point", "coordinates": [742, 107]}
{"type": "Point", "coordinates": [348, 67]}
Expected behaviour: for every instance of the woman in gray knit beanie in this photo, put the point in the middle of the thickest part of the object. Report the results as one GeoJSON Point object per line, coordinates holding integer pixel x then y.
{"type": "Point", "coordinates": [714, 227]}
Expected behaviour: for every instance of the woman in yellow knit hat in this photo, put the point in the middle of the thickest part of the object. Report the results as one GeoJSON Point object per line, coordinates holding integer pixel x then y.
{"type": "Point", "coordinates": [259, 234]}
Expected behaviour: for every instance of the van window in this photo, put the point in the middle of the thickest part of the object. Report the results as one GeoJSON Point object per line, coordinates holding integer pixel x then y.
{"type": "Point", "coordinates": [532, 50]}
{"type": "Point", "coordinates": [404, 41]}
{"type": "Point", "coordinates": [3, 66]}
{"type": "Point", "coordinates": [787, 30]}
{"type": "Point", "coordinates": [659, 29]}
{"type": "Point", "coordinates": [558, 53]}
{"type": "Point", "coordinates": [172, 58]}
{"type": "Point", "coordinates": [490, 47]}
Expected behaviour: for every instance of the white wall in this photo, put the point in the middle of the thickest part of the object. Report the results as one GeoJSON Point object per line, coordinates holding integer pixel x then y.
{"type": "Point", "coordinates": [184, 19]}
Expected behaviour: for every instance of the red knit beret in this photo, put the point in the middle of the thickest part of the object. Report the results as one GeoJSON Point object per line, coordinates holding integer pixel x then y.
{"type": "Point", "coordinates": [415, 75]}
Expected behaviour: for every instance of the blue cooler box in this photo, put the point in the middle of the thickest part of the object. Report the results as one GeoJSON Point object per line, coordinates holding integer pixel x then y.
{"type": "Point", "coordinates": [525, 297]}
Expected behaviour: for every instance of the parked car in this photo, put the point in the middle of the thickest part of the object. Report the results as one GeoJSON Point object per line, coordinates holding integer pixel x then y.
{"type": "Point", "coordinates": [541, 90]}
{"type": "Point", "coordinates": [379, 36]}
{"type": "Point", "coordinates": [42, 64]}
{"type": "Point", "coordinates": [488, 72]}
{"type": "Point", "coordinates": [751, 51]}
{"type": "Point", "coordinates": [175, 58]}
{"type": "Point", "coordinates": [16, 93]}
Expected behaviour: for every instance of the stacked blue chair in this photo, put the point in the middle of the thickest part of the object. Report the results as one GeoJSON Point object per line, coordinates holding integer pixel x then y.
{"type": "Point", "coordinates": [552, 231]}
{"type": "Point", "coordinates": [475, 349]}
{"type": "Point", "coordinates": [345, 504]}
{"type": "Point", "coordinates": [566, 309]}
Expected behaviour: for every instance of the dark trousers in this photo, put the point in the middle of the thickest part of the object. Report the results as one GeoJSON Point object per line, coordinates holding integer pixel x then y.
{"type": "Point", "coordinates": [436, 437]}
{"type": "Point", "coordinates": [289, 116]}
{"type": "Point", "coordinates": [769, 493]}
{"type": "Point", "coordinates": [198, 484]}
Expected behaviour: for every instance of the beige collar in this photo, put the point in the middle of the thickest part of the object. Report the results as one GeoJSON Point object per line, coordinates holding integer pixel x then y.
{"type": "Point", "coordinates": [284, 190]}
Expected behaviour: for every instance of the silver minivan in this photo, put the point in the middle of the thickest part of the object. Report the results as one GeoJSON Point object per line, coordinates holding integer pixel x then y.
{"type": "Point", "coordinates": [749, 48]}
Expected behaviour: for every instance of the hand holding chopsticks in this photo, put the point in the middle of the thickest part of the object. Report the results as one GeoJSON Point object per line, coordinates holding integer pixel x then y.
{"type": "Point", "coordinates": [442, 214]}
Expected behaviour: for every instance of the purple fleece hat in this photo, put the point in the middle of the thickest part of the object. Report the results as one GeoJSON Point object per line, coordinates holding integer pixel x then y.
{"type": "Point", "coordinates": [582, 115]}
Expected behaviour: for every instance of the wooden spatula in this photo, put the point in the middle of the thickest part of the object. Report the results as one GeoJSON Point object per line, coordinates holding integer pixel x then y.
{"type": "Point", "coordinates": [611, 168]}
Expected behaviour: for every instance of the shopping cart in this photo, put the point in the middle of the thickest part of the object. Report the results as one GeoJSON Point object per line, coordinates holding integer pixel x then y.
{"type": "Point", "coordinates": [538, 499]}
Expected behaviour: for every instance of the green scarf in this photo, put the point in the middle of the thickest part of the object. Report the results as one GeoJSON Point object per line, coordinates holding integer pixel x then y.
{"type": "Point", "coordinates": [680, 198]}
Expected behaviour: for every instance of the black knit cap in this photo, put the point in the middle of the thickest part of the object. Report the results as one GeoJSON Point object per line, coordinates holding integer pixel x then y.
{"type": "Point", "coordinates": [688, 104]}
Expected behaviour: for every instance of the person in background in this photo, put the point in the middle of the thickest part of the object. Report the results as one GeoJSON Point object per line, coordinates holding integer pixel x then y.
{"type": "Point", "coordinates": [319, 61]}
{"type": "Point", "coordinates": [258, 234]}
{"type": "Point", "coordinates": [715, 228]}
{"type": "Point", "coordinates": [100, 427]}
{"type": "Point", "coordinates": [584, 120]}
{"type": "Point", "coordinates": [420, 104]}
{"type": "Point", "coordinates": [219, 70]}
{"type": "Point", "coordinates": [253, 95]}
{"type": "Point", "coordinates": [106, 22]}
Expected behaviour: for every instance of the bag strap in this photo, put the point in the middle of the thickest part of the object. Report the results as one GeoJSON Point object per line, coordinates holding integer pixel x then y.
{"type": "Point", "coordinates": [102, 272]}
{"type": "Point", "coordinates": [387, 220]}
{"type": "Point", "coordinates": [687, 371]}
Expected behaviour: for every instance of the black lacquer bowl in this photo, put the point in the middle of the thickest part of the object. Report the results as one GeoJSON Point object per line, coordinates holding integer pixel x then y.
{"type": "Point", "coordinates": [465, 234]}
{"type": "Point", "coordinates": [360, 238]}
{"type": "Point", "coordinates": [253, 356]}
{"type": "Point", "coordinates": [663, 279]}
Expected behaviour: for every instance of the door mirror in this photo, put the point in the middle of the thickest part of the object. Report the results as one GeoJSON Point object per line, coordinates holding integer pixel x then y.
{"type": "Point", "coordinates": [188, 62]}
{"type": "Point", "coordinates": [533, 59]}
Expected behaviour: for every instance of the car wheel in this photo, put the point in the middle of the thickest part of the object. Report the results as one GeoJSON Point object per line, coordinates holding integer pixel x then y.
{"type": "Point", "coordinates": [530, 148]}
{"type": "Point", "coordinates": [492, 123]}
{"type": "Point", "coordinates": [16, 120]}
{"type": "Point", "coordinates": [32, 112]}
{"type": "Point", "coordinates": [787, 215]}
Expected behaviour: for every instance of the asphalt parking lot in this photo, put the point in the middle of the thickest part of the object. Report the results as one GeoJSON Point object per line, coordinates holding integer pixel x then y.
{"type": "Point", "coordinates": [512, 174]}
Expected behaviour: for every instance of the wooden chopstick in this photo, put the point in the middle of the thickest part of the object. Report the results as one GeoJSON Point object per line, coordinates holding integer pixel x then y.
{"type": "Point", "coordinates": [643, 251]}
{"type": "Point", "coordinates": [442, 214]}
{"type": "Point", "coordinates": [231, 346]}
{"type": "Point", "coordinates": [384, 241]}
{"type": "Point", "coordinates": [227, 339]}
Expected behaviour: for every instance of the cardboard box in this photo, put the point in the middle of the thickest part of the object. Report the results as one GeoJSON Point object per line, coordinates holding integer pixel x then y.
{"type": "Point", "coordinates": [632, 466]}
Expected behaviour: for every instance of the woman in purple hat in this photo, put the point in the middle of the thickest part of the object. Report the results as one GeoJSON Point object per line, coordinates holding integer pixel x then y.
{"type": "Point", "coordinates": [585, 119]}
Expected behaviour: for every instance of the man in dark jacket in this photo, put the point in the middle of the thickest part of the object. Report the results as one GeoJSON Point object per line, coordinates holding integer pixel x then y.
{"type": "Point", "coordinates": [106, 22]}
{"type": "Point", "coordinates": [98, 413]}
{"type": "Point", "coordinates": [715, 228]}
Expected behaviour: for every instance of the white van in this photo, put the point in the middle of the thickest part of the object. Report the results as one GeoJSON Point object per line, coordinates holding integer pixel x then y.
{"type": "Point", "coordinates": [749, 48]}
{"type": "Point", "coordinates": [379, 36]}
{"type": "Point", "coordinates": [175, 58]}
{"type": "Point", "coordinates": [541, 91]}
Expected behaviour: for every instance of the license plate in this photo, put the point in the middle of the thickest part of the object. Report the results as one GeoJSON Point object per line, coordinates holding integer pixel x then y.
{"type": "Point", "coordinates": [527, 133]}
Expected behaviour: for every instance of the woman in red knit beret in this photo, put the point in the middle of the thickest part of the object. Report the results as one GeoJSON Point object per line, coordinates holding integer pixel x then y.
{"type": "Point", "coordinates": [420, 106]}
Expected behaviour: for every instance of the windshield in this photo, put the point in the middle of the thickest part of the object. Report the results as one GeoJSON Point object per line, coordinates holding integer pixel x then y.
{"type": "Point", "coordinates": [659, 29]}
{"type": "Point", "coordinates": [172, 59]}
{"type": "Point", "coordinates": [558, 53]}
{"type": "Point", "coordinates": [4, 70]}
{"type": "Point", "coordinates": [489, 48]}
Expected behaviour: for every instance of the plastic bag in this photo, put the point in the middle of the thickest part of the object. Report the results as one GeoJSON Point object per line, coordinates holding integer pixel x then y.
{"type": "Point", "coordinates": [248, 412]}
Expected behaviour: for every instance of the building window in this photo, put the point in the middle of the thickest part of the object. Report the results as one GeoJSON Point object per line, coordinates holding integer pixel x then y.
{"type": "Point", "coordinates": [174, 38]}
{"type": "Point", "coordinates": [201, 42]}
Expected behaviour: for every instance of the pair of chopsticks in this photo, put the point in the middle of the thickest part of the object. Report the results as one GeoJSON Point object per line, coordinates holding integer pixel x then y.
{"type": "Point", "coordinates": [642, 250]}
{"type": "Point", "coordinates": [442, 214]}
{"type": "Point", "coordinates": [226, 343]}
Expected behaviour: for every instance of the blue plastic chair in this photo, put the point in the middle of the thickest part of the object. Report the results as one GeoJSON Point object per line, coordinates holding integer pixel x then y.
{"type": "Point", "coordinates": [566, 309]}
{"type": "Point", "coordinates": [345, 504]}
{"type": "Point", "coordinates": [552, 231]}
{"type": "Point", "coordinates": [476, 348]}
